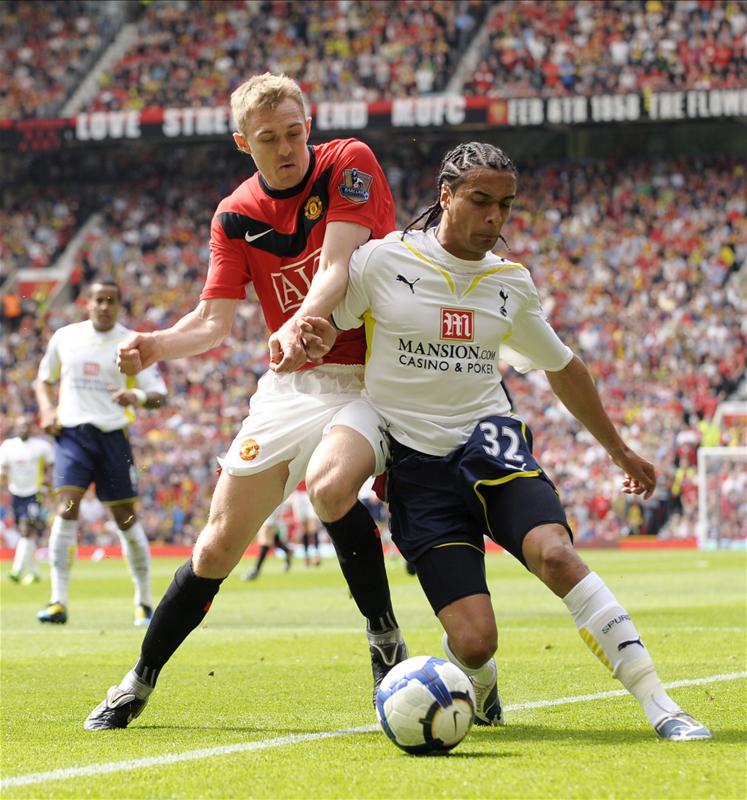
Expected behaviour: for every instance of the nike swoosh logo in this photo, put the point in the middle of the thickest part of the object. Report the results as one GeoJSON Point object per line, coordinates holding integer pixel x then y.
{"type": "Point", "coordinates": [257, 235]}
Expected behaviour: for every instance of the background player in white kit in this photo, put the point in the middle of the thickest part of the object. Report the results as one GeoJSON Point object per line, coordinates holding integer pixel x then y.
{"type": "Point", "coordinates": [25, 462]}
{"type": "Point", "coordinates": [272, 535]}
{"type": "Point", "coordinates": [439, 307]}
{"type": "Point", "coordinates": [89, 424]}
{"type": "Point", "coordinates": [308, 525]}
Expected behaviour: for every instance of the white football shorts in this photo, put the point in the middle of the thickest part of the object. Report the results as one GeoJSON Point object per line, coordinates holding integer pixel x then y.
{"type": "Point", "coordinates": [289, 414]}
{"type": "Point", "coordinates": [301, 505]}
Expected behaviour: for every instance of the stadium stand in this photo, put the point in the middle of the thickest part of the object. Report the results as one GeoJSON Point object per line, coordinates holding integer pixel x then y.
{"type": "Point", "coordinates": [47, 48]}
{"type": "Point", "coordinates": [636, 258]}
{"type": "Point", "coordinates": [545, 48]}
{"type": "Point", "coordinates": [195, 54]}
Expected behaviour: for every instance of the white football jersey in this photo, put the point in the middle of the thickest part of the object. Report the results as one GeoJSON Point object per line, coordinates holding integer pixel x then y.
{"type": "Point", "coordinates": [436, 326]}
{"type": "Point", "coordinates": [84, 361]}
{"type": "Point", "coordinates": [23, 461]}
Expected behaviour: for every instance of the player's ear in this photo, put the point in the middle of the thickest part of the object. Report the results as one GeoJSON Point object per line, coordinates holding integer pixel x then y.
{"type": "Point", "coordinates": [443, 196]}
{"type": "Point", "coordinates": [241, 143]}
{"type": "Point", "coordinates": [308, 128]}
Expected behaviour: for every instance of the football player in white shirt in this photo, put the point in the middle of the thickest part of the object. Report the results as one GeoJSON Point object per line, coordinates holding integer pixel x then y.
{"type": "Point", "coordinates": [89, 424]}
{"type": "Point", "coordinates": [25, 463]}
{"type": "Point", "coordinates": [440, 309]}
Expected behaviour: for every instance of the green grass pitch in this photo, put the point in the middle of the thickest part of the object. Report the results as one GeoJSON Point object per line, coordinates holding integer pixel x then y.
{"type": "Point", "coordinates": [284, 659]}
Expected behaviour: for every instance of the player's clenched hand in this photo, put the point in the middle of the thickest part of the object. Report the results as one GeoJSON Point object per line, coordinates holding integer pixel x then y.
{"type": "Point", "coordinates": [137, 352]}
{"type": "Point", "coordinates": [125, 397]}
{"type": "Point", "coordinates": [318, 335]}
{"type": "Point", "coordinates": [48, 422]}
{"type": "Point", "coordinates": [640, 475]}
{"type": "Point", "coordinates": [287, 348]}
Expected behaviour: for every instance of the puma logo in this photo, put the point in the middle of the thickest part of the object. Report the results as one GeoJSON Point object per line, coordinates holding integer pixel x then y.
{"type": "Point", "coordinates": [628, 642]}
{"type": "Point", "coordinates": [410, 284]}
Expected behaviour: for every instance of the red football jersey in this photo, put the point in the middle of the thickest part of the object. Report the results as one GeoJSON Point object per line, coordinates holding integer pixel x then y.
{"type": "Point", "coordinates": [273, 238]}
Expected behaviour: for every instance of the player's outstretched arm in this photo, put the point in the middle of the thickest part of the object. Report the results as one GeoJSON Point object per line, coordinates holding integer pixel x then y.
{"type": "Point", "coordinates": [575, 388]}
{"type": "Point", "coordinates": [325, 293]}
{"type": "Point", "coordinates": [200, 330]}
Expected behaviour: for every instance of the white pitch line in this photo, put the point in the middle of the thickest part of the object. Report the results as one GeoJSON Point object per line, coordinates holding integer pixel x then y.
{"type": "Point", "coordinates": [281, 741]}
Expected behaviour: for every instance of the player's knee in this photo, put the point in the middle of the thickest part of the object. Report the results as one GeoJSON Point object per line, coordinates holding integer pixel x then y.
{"type": "Point", "coordinates": [216, 552]}
{"type": "Point", "coordinates": [474, 645]}
{"type": "Point", "coordinates": [331, 494]}
{"type": "Point", "coordinates": [550, 555]}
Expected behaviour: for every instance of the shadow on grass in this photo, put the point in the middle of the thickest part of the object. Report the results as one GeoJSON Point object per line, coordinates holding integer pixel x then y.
{"type": "Point", "coordinates": [511, 734]}
{"type": "Point", "coordinates": [529, 733]}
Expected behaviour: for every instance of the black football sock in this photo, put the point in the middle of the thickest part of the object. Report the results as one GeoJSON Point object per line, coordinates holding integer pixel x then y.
{"type": "Point", "coordinates": [263, 551]}
{"type": "Point", "coordinates": [356, 540]}
{"type": "Point", "coordinates": [181, 610]}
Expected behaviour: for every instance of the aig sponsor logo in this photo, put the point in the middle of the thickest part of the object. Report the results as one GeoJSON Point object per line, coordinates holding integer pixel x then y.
{"type": "Point", "coordinates": [457, 324]}
{"type": "Point", "coordinates": [291, 282]}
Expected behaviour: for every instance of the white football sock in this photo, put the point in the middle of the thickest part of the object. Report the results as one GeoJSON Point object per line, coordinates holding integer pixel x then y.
{"type": "Point", "coordinates": [484, 674]}
{"type": "Point", "coordinates": [22, 560]}
{"type": "Point", "coordinates": [131, 683]}
{"type": "Point", "coordinates": [137, 552]}
{"type": "Point", "coordinates": [609, 632]}
{"type": "Point", "coordinates": [61, 554]}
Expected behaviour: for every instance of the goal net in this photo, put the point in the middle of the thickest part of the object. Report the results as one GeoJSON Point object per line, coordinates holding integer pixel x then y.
{"type": "Point", "coordinates": [722, 496]}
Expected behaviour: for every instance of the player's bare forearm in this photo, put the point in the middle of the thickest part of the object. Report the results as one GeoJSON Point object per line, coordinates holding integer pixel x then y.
{"type": "Point", "coordinates": [197, 332]}
{"type": "Point", "coordinates": [575, 388]}
{"type": "Point", "coordinates": [331, 278]}
{"type": "Point", "coordinates": [288, 351]}
{"type": "Point", "coordinates": [46, 400]}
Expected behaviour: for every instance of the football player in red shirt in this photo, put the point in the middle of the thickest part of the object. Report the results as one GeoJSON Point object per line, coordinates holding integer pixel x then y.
{"type": "Point", "coordinates": [302, 213]}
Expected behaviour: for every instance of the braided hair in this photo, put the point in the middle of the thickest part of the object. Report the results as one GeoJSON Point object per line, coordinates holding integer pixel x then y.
{"type": "Point", "coordinates": [457, 162]}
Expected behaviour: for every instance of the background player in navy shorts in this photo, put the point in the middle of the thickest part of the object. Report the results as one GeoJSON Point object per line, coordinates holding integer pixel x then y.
{"type": "Point", "coordinates": [89, 423]}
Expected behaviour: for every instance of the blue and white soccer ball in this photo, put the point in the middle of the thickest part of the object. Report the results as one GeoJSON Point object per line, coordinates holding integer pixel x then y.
{"type": "Point", "coordinates": [426, 705]}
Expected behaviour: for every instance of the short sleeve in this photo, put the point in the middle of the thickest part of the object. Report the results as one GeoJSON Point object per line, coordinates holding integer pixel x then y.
{"type": "Point", "coordinates": [150, 380]}
{"type": "Point", "coordinates": [48, 452]}
{"type": "Point", "coordinates": [359, 192]}
{"type": "Point", "coordinates": [228, 270]}
{"type": "Point", "coordinates": [50, 365]}
{"type": "Point", "coordinates": [349, 313]}
{"type": "Point", "coordinates": [533, 343]}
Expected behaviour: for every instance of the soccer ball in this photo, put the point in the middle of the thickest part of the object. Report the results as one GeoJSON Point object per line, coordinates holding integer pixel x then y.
{"type": "Point", "coordinates": [425, 705]}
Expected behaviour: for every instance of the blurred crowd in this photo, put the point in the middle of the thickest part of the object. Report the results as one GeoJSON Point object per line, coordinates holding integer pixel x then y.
{"type": "Point", "coordinates": [47, 49]}
{"type": "Point", "coordinates": [636, 263]}
{"type": "Point", "coordinates": [550, 48]}
{"type": "Point", "coordinates": [189, 53]}
{"type": "Point", "coordinates": [196, 53]}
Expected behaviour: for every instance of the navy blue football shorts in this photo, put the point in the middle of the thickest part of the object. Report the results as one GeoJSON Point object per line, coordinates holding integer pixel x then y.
{"type": "Point", "coordinates": [440, 506]}
{"type": "Point", "coordinates": [28, 509]}
{"type": "Point", "coordinates": [84, 455]}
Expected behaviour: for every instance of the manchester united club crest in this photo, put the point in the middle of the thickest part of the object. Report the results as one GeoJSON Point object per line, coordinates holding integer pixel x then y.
{"type": "Point", "coordinates": [313, 207]}
{"type": "Point", "coordinates": [249, 450]}
{"type": "Point", "coordinates": [355, 185]}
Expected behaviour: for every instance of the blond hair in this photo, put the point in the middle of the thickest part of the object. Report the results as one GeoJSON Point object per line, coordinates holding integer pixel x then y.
{"type": "Point", "coordinates": [263, 93]}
